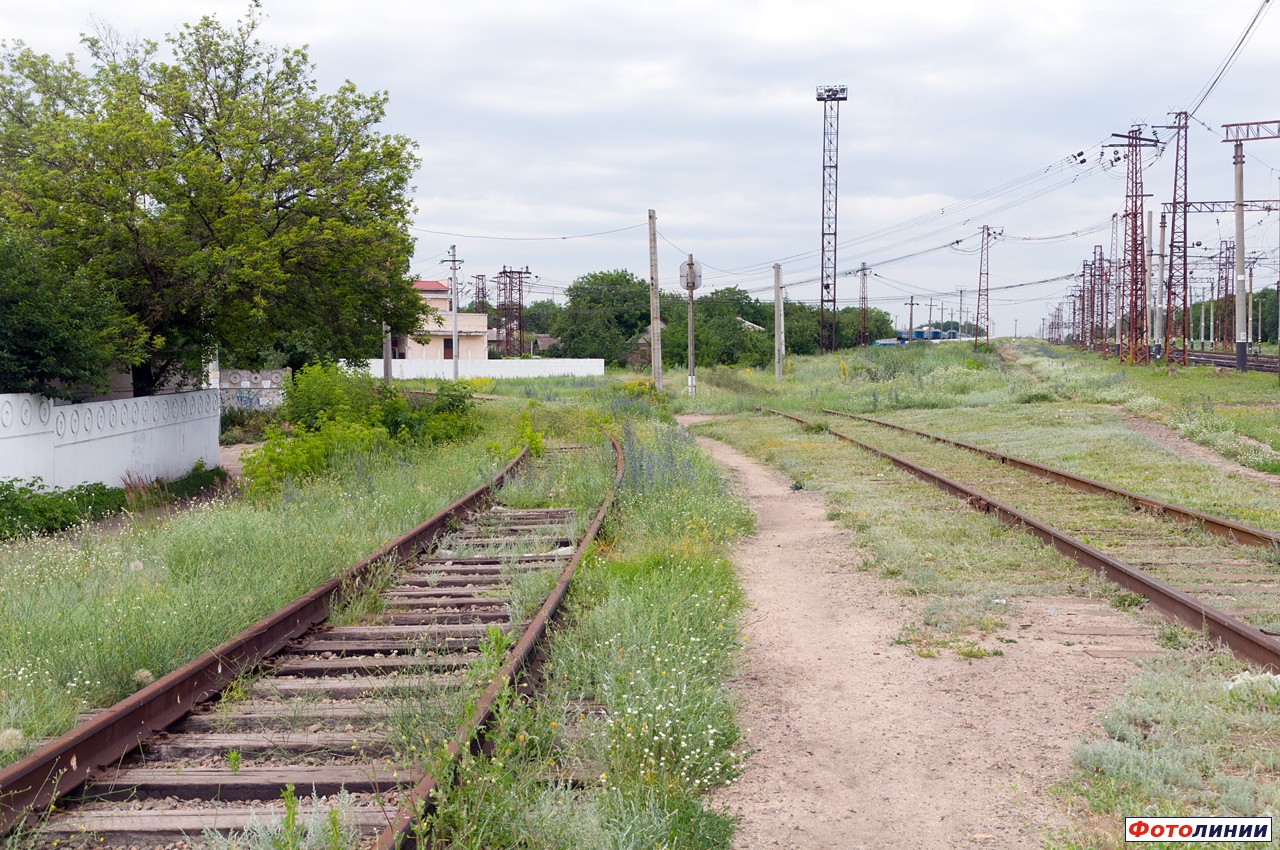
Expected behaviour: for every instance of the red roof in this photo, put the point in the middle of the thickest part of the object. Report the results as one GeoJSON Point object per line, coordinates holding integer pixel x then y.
{"type": "Point", "coordinates": [431, 286]}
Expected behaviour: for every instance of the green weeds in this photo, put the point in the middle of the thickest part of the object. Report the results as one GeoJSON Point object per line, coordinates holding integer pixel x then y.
{"type": "Point", "coordinates": [79, 616]}
{"type": "Point", "coordinates": [320, 827]}
{"type": "Point", "coordinates": [654, 626]}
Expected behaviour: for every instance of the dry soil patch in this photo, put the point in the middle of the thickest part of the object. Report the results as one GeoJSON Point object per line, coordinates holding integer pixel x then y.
{"type": "Point", "coordinates": [858, 743]}
{"type": "Point", "coordinates": [1166, 436]}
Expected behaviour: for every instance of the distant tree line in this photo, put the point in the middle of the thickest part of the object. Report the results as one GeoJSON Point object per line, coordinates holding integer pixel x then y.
{"type": "Point", "coordinates": [606, 314]}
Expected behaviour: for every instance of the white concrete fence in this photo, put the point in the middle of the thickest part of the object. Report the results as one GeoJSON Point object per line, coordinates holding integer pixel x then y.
{"type": "Point", "coordinates": [550, 367]}
{"type": "Point", "coordinates": [161, 436]}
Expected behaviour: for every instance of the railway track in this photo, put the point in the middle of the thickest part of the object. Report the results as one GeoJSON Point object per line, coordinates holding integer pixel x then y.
{"type": "Point", "coordinates": [1227, 360]}
{"type": "Point", "coordinates": [297, 706]}
{"type": "Point", "coordinates": [1209, 573]}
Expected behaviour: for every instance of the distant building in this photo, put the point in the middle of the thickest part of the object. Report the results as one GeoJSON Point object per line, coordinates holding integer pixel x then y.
{"type": "Point", "coordinates": [438, 345]}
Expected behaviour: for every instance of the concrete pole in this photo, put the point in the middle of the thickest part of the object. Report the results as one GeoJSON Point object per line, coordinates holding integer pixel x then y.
{"type": "Point", "coordinates": [1242, 318]}
{"type": "Point", "coordinates": [453, 303]}
{"type": "Point", "coordinates": [688, 283]}
{"type": "Point", "coordinates": [655, 304]}
{"type": "Point", "coordinates": [1250, 307]}
{"type": "Point", "coordinates": [1151, 301]}
{"type": "Point", "coordinates": [1162, 292]}
{"type": "Point", "coordinates": [386, 353]}
{"type": "Point", "coordinates": [779, 346]}
{"type": "Point", "coordinates": [1202, 320]}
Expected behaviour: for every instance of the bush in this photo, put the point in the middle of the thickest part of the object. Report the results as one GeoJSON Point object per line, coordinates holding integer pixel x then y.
{"type": "Point", "coordinates": [307, 452]}
{"type": "Point", "coordinates": [323, 391]}
{"type": "Point", "coordinates": [31, 509]}
{"type": "Point", "coordinates": [241, 425]}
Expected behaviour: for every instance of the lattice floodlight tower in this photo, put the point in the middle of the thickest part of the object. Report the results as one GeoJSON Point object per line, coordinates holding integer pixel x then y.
{"type": "Point", "coordinates": [830, 97]}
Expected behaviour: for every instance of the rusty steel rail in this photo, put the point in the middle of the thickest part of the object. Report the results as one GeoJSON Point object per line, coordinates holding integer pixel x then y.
{"type": "Point", "coordinates": [33, 783]}
{"type": "Point", "coordinates": [524, 659]}
{"type": "Point", "coordinates": [1247, 642]}
{"type": "Point", "coordinates": [1232, 530]}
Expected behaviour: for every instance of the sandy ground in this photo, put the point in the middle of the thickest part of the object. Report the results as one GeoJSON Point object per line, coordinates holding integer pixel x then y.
{"type": "Point", "coordinates": [1166, 436]}
{"type": "Point", "coordinates": [857, 743]}
{"type": "Point", "coordinates": [229, 457]}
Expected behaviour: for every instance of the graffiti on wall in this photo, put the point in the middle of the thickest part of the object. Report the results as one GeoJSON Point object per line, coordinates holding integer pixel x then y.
{"type": "Point", "coordinates": [252, 390]}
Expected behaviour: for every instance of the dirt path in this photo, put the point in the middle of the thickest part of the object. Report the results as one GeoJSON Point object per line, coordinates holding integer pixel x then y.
{"type": "Point", "coordinates": [229, 457]}
{"type": "Point", "coordinates": [858, 743]}
{"type": "Point", "coordinates": [1169, 438]}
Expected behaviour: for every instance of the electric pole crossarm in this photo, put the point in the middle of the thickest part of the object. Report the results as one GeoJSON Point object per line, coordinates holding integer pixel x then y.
{"type": "Point", "coordinates": [1246, 131]}
{"type": "Point", "coordinates": [1224, 206]}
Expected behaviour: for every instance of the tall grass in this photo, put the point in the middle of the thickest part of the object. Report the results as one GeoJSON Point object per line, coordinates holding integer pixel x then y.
{"type": "Point", "coordinates": [86, 619]}
{"type": "Point", "coordinates": [654, 624]}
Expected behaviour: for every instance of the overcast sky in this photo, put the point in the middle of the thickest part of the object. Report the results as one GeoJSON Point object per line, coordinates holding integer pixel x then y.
{"type": "Point", "coordinates": [553, 118]}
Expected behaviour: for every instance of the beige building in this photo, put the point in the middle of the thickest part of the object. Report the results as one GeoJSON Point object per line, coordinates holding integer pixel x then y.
{"type": "Point", "coordinates": [472, 328]}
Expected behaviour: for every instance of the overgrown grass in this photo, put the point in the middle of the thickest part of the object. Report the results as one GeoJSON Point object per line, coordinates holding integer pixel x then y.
{"type": "Point", "coordinates": [968, 564]}
{"type": "Point", "coordinates": [30, 508]}
{"type": "Point", "coordinates": [1194, 736]}
{"type": "Point", "coordinates": [654, 628]}
{"type": "Point", "coordinates": [87, 619]}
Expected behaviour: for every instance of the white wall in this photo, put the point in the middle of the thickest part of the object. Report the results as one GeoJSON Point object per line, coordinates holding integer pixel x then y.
{"type": "Point", "coordinates": [548, 368]}
{"type": "Point", "coordinates": [149, 437]}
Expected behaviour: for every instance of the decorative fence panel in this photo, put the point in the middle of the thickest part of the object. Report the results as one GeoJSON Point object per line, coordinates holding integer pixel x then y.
{"type": "Point", "coordinates": [161, 436]}
{"type": "Point", "coordinates": [547, 368]}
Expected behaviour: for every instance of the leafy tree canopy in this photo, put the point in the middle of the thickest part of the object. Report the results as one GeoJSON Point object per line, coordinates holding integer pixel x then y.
{"type": "Point", "coordinates": [61, 334]}
{"type": "Point", "coordinates": [605, 310]}
{"type": "Point", "coordinates": [215, 193]}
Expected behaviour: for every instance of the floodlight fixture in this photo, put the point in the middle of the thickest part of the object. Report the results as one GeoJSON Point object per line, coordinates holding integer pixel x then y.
{"type": "Point", "coordinates": [833, 93]}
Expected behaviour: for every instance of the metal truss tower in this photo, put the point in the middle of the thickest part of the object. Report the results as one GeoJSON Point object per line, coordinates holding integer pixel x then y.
{"type": "Point", "coordinates": [1224, 325]}
{"type": "Point", "coordinates": [830, 97]}
{"type": "Point", "coordinates": [864, 307]}
{"type": "Point", "coordinates": [1133, 276]}
{"type": "Point", "coordinates": [1176, 285]}
{"type": "Point", "coordinates": [982, 317]}
{"type": "Point", "coordinates": [510, 309]}
{"type": "Point", "coordinates": [1101, 300]}
{"type": "Point", "coordinates": [480, 293]}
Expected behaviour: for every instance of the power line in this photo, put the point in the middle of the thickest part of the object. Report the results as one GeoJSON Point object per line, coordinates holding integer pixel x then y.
{"type": "Point", "coordinates": [530, 238]}
{"type": "Point", "coordinates": [1231, 57]}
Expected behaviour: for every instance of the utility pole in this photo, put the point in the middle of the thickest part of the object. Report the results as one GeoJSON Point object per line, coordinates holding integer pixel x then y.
{"type": "Point", "coordinates": [655, 304]}
{"type": "Point", "coordinates": [930, 312]}
{"type": "Point", "coordinates": [386, 353]}
{"type": "Point", "coordinates": [911, 317]}
{"type": "Point", "coordinates": [779, 338]}
{"type": "Point", "coordinates": [1134, 270]}
{"type": "Point", "coordinates": [1202, 319]}
{"type": "Point", "coordinates": [1242, 317]}
{"type": "Point", "coordinates": [960, 326]}
{"type": "Point", "coordinates": [692, 276]}
{"type": "Point", "coordinates": [1150, 302]}
{"type": "Point", "coordinates": [1176, 286]}
{"type": "Point", "coordinates": [1239, 134]}
{"type": "Point", "coordinates": [983, 320]}
{"type": "Point", "coordinates": [454, 262]}
{"type": "Point", "coordinates": [830, 97]}
{"type": "Point", "coordinates": [864, 306]}
{"type": "Point", "coordinates": [1161, 293]}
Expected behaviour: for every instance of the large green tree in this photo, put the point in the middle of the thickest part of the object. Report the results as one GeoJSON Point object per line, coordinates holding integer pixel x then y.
{"type": "Point", "coordinates": [605, 311]}
{"type": "Point", "coordinates": [61, 334]}
{"type": "Point", "coordinates": [215, 192]}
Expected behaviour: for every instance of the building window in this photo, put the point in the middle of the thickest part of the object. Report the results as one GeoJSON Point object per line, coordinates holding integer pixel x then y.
{"type": "Point", "coordinates": [448, 349]}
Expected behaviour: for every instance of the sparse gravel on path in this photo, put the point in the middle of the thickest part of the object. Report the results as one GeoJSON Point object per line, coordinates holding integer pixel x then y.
{"type": "Point", "coordinates": [858, 743]}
